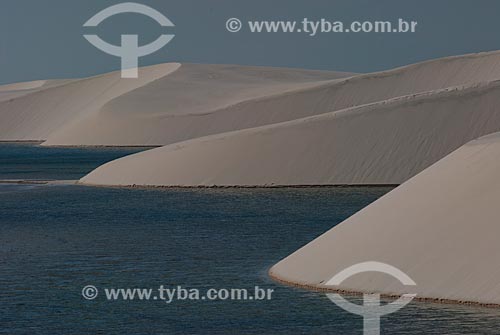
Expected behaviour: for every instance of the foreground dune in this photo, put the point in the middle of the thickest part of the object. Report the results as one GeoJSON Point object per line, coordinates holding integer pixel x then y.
{"type": "Point", "coordinates": [201, 100]}
{"type": "Point", "coordinates": [380, 143]}
{"type": "Point", "coordinates": [440, 228]}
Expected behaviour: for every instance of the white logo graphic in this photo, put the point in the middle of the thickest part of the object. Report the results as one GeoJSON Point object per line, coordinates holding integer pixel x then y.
{"type": "Point", "coordinates": [371, 310]}
{"type": "Point", "coordinates": [129, 51]}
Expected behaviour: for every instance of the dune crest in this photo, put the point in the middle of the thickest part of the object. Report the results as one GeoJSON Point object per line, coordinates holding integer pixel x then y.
{"type": "Point", "coordinates": [196, 100]}
{"type": "Point", "coordinates": [201, 100]}
{"type": "Point", "coordinates": [440, 228]}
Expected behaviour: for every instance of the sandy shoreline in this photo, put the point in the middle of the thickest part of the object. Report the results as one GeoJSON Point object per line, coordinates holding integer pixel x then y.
{"type": "Point", "coordinates": [21, 141]}
{"type": "Point", "coordinates": [237, 186]}
{"type": "Point", "coordinates": [325, 289]}
{"type": "Point", "coordinates": [38, 182]}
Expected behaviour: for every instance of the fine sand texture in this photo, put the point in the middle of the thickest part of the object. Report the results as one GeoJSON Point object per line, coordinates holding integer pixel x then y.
{"type": "Point", "coordinates": [381, 143]}
{"type": "Point", "coordinates": [440, 228]}
{"type": "Point", "coordinates": [201, 100]}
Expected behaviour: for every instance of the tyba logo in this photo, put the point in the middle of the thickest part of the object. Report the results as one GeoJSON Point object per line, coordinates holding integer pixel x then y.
{"type": "Point", "coordinates": [129, 51]}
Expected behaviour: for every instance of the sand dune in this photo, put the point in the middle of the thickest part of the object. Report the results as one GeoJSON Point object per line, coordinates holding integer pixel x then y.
{"type": "Point", "coordinates": [235, 125]}
{"type": "Point", "coordinates": [12, 91]}
{"type": "Point", "coordinates": [36, 110]}
{"type": "Point", "coordinates": [440, 228]}
{"type": "Point", "coordinates": [380, 143]}
{"type": "Point", "coordinates": [172, 102]}
{"type": "Point", "coordinates": [194, 101]}
{"type": "Point", "coordinates": [23, 86]}
{"type": "Point", "coordinates": [32, 111]}
{"type": "Point", "coordinates": [202, 100]}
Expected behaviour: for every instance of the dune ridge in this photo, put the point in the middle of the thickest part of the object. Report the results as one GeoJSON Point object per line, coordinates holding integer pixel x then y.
{"type": "Point", "coordinates": [439, 227]}
{"type": "Point", "coordinates": [152, 116]}
{"type": "Point", "coordinates": [195, 101]}
{"type": "Point", "coordinates": [36, 110]}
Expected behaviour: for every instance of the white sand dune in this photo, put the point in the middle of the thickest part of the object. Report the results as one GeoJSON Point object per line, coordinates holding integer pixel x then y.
{"type": "Point", "coordinates": [36, 110]}
{"type": "Point", "coordinates": [32, 111]}
{"type": "Point", "coordinates": [200, 100]}
{"type": "Point", "coordinates": [12, 91]}
{"type": "Point", "coordinates": [30, 85]}
{"type": "Point", "coordinates": [235, 125]}
{"type": "Point", "coordinates": [440, 227]}
{"type": "Point", "coordinates": [172, 102]}
{"type": "Point", "coordinates": [194, 101]}
{"type": "Point", "coordinates": [380, 143]}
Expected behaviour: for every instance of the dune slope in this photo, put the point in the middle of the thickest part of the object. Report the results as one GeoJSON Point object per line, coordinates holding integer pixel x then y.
{"type": "Point", "coordinates": [201, 100]}
{"type": "Point", "coordinates": [440, 228]}
{"type": "Point", "coordinates": [32, 111]}
{"type": "Point", "coordinates": [12, 91]}
{"type": "Point", "coordinates": [380, 143]}
{"type": "Point", "coordinates": [197, 100]}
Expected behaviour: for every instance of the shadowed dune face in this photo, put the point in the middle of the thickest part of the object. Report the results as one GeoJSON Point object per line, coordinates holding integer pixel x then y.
{"type": "Point", "coordinates": [440, 228]}
{"type": "Point", "coordinates": [201, 100]}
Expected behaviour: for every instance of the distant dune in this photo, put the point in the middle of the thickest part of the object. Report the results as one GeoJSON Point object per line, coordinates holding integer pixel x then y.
{"type": "Point", "coordinates": [440, 227]}
{"type": "Point", "coordinates": [200, 100]}
{"type": "Point", "coordinates": [35, 110]}
{"type": "Point", "coordinates": [11, 91]}
{"type": "Point", "coordinates": [197, 100]}
{"type": "Point", "coordinates": [173, 102]}
{"type": "Point", "coordinates": [108, 110]}
{"type": "Point", "coordinates": [30, 85]}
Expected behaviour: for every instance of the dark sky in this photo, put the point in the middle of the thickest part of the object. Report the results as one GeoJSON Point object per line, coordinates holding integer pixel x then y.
{"type": "Point", "coordinates": [41, 39]}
